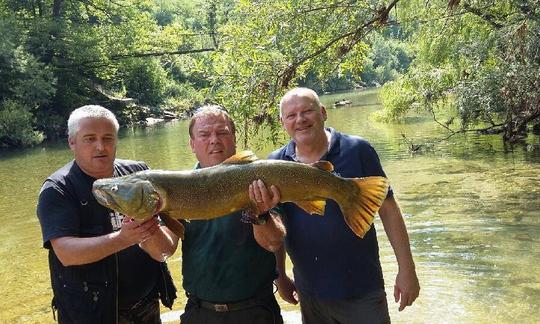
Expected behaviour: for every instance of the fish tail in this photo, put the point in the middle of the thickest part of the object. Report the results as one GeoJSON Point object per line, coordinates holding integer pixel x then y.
{"type": "Point", "coordinates": [359, 208]}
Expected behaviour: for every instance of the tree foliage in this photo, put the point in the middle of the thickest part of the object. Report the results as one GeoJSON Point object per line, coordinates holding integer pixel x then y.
{"type": "Point", "coordinates": [269, 46]}
{"type": "Point", "coordinates": [480, 57]}
{"type": "Point", "coordinates": [477, 59]}
{"type": "Point", "coordinates": [56, 55]}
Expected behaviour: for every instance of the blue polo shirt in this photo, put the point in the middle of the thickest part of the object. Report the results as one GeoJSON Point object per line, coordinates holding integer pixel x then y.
{"type": "Point", "coordinates": [329, 260]}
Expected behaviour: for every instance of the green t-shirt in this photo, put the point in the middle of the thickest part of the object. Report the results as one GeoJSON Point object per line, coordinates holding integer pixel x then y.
{"type": "Point", "coordinates": [222, 262]}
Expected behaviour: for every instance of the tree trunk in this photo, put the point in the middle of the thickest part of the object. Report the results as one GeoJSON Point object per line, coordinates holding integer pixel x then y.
{"type": "Point", "coordinates": [57, 5]}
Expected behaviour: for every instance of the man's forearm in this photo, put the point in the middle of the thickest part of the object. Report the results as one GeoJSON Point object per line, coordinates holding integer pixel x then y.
{"type": "Point", "coordinates": [280, 261]}
{"type": "Point", "coordinates": [396, 231]}
{"type": "Point", "coordinates": [161, 245]}
{"type": "Point", "coordinates": [270, 235]}
{"type": "Point", "coordinates": [83, 250]}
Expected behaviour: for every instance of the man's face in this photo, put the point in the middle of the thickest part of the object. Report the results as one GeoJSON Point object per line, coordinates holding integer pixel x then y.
{"type": "Point", "coordinates": [94, 146]}
{"type": "Point", "coordinates": [213, 140]}
{"type": "Point", "coordinates": [302, 119]}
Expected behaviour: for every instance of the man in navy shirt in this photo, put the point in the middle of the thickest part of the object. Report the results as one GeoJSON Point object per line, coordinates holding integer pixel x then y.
{"type": "Point", "coordinates": [105, 268]}
{"type": "Point", "coordinates": [337, 275]}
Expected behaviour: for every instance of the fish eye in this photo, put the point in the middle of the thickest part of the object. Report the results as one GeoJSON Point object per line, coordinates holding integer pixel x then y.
{"type": "Point", "coordinates": [114, 188]}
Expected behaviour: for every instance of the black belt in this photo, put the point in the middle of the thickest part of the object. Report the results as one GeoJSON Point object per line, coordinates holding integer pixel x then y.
{"type": "Point", "coordinates": [230, 306]}
{"type": "Point", "coordinates": [257, 300]}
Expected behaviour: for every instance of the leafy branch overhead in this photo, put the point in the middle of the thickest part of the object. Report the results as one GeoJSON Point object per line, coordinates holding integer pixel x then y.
{"type": "Point", "coordinates": [480, 59]}
{"type": "Point", "coordinates": [263, 54]}
{"type": "Point", "coordinates": [473, 63]}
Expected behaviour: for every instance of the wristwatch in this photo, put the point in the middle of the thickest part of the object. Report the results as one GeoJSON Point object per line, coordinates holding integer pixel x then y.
{"type": "Point", "coordinates": [249, 219]}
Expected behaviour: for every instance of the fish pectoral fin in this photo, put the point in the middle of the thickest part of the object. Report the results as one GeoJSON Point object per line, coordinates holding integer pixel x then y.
{"type": "Point", "coordinates": [323, 165]}
{"type": "Point", "coordinates": [243, 157]}
{"type": "Point", "coordinates": [176, 214]}
{"type": "Point", "coordinates": [173, 224]}
{"type": "Point", "coordinates": [312, 206]}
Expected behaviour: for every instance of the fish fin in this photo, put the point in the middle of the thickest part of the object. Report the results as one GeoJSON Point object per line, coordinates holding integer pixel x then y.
{"type": "Point", "coordinates": [360, 208]}
{"type": "Point", "coordinates": [323, 165]}
{"type": "Point", "coordinates": [312, 206]}
{"type": "Point", "coordinates": [173, 224]}
{"type": "Point", "coordinates": [241, 158]}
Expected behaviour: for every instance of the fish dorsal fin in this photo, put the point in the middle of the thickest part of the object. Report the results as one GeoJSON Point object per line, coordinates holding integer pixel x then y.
{"type": "Point", "coordinates": [323, 165]}
{"type": "Point", "coordinates": [312, 206]}
{"type": "Point", "coordinates": [241, 158]}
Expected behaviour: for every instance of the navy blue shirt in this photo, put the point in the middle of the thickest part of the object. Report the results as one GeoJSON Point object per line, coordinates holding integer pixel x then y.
{"type": "Point", "coordinates": [329, 260]}
{"type": "Point", "coordinates": [67, 207]}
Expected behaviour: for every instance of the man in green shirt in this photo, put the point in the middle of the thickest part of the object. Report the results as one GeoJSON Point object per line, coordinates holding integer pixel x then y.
{"type": "Point", "coordinates": [228, 264]}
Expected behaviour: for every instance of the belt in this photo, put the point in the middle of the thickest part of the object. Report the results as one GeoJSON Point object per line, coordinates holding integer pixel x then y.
{"type": "Point", "coordinates": [230, 306]}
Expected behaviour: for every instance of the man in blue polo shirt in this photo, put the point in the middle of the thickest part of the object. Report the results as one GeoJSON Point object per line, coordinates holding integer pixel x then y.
{"type": "Point", "coordinates": [337, 275]}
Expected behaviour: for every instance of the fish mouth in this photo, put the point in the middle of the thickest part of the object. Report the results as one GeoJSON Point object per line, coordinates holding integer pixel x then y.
{"type": "Point", "coordinates": [103, 197]}
{"type": "Point", "coordinates": [159, 204]}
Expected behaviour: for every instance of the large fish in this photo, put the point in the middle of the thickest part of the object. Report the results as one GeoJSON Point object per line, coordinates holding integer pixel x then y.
{"type": "Point", "coordinates": [222, 189]}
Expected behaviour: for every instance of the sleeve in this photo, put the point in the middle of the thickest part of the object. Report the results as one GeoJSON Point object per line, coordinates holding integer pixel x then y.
{"type": "Point", "coordinates": [371, 164]}
{"type": "Point", "coordinates": [58, 213]}
{"type": "Point", "coordinates": [276, 155]}
{"type": "Point", "coordinates": [143, 166]}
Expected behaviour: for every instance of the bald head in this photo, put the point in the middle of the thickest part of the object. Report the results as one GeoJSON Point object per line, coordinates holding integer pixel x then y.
{"type": "Point", "coordinates": [296, 93]}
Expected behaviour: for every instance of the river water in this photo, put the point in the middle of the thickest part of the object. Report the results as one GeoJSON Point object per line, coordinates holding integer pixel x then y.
{"type": "Point", "coordinates": [472, 208]}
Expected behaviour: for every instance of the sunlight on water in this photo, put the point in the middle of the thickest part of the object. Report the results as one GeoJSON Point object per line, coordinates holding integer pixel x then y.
{"type": "Point", "coordinates": [471, 204]}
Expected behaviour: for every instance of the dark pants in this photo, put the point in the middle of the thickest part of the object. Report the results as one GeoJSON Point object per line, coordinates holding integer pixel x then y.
{"type": "Point", "coordinates": [370, 309]}
{"type": "Point", "coordinates": [144, 312]}
{"type": "Point", "coordinates": [265, 310]}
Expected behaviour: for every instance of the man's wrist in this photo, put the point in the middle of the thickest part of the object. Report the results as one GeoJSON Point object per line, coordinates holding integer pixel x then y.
{"type": "Point", "coordinates": [263, 218]}
{"type": "Point", "coordinates": [255, 220]}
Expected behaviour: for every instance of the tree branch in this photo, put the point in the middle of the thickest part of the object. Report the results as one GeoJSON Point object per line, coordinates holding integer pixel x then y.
{"type": "Point", "coordinates": [487, 17]}
{"type": "Point", "coordinates": [290, 71]}
{"type": "Point", "coordinates": [134, 55]}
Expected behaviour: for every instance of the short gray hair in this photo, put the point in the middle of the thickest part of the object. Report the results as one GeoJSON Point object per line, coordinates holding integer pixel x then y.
{"type": "Point", "coordinates": [89, 111]}
{"type": "Point", "coordinates": [210, 110]}
{"type": "Point", "coordinates": [299, 92]}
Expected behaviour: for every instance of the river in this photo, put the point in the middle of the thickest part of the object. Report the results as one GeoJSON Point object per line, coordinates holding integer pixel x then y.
{"type": "Point", "coordinates": [472, 208]}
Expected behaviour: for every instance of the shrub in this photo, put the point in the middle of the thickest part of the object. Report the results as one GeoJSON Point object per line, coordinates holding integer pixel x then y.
{"type": "Point", "coordinates": [16, 126]}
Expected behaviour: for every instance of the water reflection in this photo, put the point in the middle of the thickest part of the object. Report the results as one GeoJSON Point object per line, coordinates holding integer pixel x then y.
{"type": "Point", "coordinates": [472, 206]}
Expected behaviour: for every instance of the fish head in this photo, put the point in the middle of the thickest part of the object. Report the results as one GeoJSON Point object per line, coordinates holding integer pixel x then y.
{"type": "Point", "coordinates": [133, 196]}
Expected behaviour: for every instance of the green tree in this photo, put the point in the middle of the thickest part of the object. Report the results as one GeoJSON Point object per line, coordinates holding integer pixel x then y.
{"type": "Point", "coordinates": [480, 59]}
{"type": "Point", "coordinates": [94, 51]}
{"type": "Point", "coordinates": [16, 125]}
{"type": "Point", "coordinates": [26, 85]}
{"type": "Point", "coordinates": [145, 79]}
{"type": "Point", "coordinates": [269, 46]}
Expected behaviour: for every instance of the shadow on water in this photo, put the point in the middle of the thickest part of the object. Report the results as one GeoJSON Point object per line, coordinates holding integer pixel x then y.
{"type": "Point", "coordinates": [471, 204]}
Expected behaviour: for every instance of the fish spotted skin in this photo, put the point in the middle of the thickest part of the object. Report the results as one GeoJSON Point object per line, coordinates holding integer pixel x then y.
{"type": "Point", "coordinates": [222, 189]}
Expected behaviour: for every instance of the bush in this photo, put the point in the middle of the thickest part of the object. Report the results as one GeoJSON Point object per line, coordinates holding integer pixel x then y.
{"type": "Point", "coordinates": [16, 126]}
{"type": "Point", "coordinates": [182, 97]}
{"type": "Point", "coordinates": [145, 80]}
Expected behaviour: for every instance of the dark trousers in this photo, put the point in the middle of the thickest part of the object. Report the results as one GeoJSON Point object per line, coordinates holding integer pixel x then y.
{"type": "Point", "coordinates": [145, 311]}
{"type": "Point", "coordinates": [370, 309]}
{"type": "Point", "coordinates": [263, 310]}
